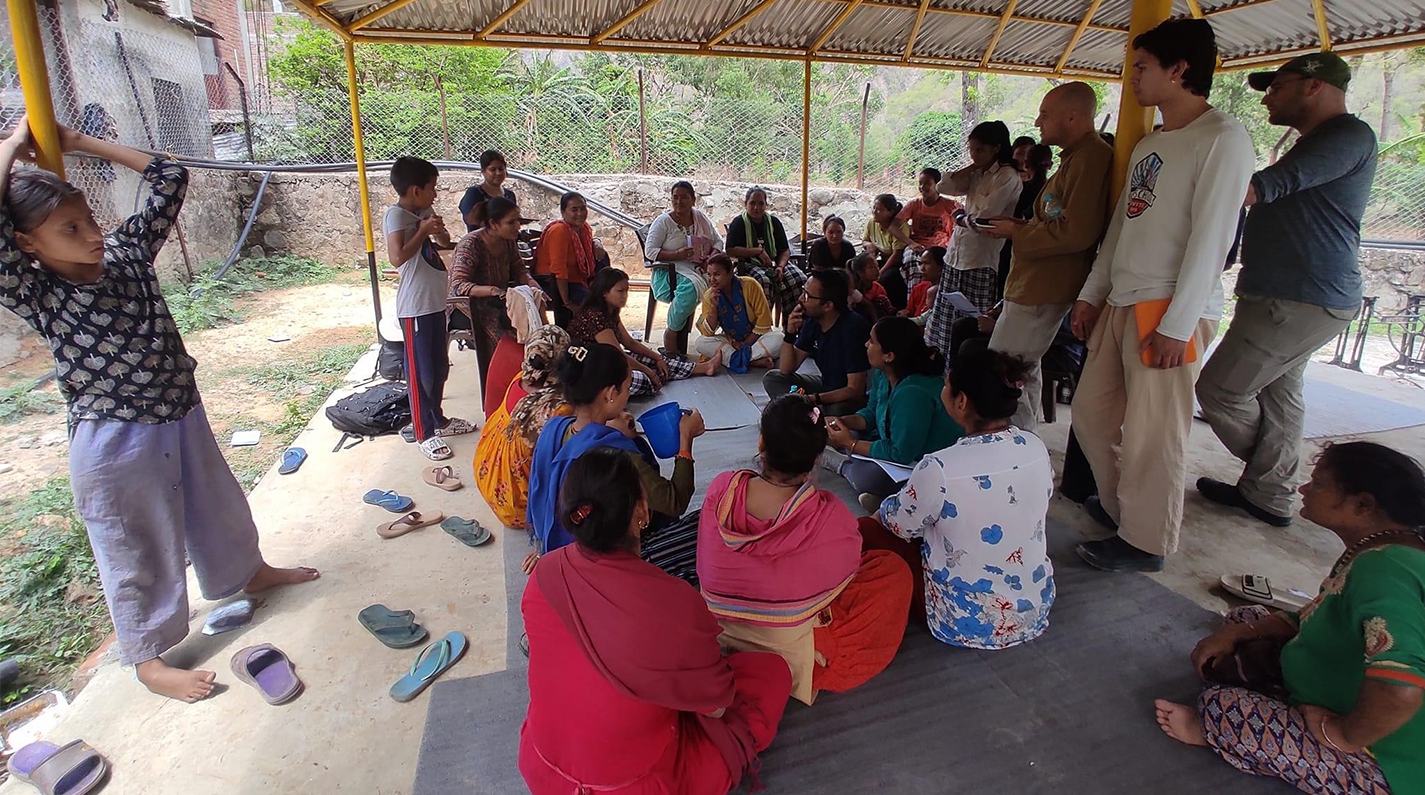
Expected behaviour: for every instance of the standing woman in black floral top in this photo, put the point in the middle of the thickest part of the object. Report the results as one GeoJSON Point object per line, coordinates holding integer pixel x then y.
{"type": "Point", "coordinates": [148, 477]}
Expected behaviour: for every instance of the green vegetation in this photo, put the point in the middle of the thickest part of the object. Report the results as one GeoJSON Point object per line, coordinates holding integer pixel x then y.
{"type": "Point", "coordinates": [22, 399]}
{"type": "Point", "coordinates": [51, 608]}
{"type": "Point", "coordinates": [208, 303]}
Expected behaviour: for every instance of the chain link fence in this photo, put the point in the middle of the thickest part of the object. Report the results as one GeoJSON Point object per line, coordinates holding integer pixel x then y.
{"type": "Point", "coordinates": [550, 114]}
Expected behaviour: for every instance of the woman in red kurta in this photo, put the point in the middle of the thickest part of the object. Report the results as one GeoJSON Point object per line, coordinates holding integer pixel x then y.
{"type": "Point", "coordinates": [629, 691]}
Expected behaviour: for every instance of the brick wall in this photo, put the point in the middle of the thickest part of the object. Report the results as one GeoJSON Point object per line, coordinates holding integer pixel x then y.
{"type": "Point", "coordinates": [222, 15]}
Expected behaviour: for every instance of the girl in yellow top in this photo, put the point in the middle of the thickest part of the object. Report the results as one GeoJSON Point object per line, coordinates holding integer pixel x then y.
{"type": "Point", "coordinates": [738, 307]}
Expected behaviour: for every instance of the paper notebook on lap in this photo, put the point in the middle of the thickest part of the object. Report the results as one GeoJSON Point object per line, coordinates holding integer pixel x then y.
{"type": "Point", "coordinates": [1148, 315]}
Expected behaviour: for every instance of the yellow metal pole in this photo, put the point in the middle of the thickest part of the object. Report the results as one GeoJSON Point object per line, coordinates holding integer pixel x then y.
{"type": "Point", "coordinates": [806, 145]}
{"type": "Point", "coordinates": [34, 81]}
{"type": "Point", "coordinates": [349, 49]}
{"type": "Point", "coordinates": [1134, 120]}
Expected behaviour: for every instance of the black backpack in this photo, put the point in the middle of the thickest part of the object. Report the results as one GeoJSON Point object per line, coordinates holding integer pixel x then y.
{"type": "Point", "coordinates": [377, 411]}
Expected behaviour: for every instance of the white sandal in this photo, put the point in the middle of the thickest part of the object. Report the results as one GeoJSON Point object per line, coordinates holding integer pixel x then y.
{"type": "Point", "coordinates": [436, 449]}
{"type": "Point", "coordinates": [1256, 588]}
{"type": "Point", "coordinates": [455, 427]}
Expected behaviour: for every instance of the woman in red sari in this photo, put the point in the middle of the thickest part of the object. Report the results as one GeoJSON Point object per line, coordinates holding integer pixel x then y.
{"type": "Point", "coordinates": [628, 690]}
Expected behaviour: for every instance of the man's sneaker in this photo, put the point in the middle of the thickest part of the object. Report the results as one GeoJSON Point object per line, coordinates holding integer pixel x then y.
{"type": "Point", "coordinates": [1228, 494]}
{"type": "Point", "coordinates": [436, 449]}
{"type": "Point", "coordinates": [1115, 554]}
{"type": "Point", "coordinates": [870, 502]}
{"type": "Point", "coordinates": [1096, 510]}
{"type": "Point", "coordinates": [455, 427]}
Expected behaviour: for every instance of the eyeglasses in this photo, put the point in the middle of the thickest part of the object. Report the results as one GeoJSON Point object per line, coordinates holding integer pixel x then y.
{"type": "Point", "coordinates": [808, 294]}
{"type": "Point", "coordinates": [1274, 87]}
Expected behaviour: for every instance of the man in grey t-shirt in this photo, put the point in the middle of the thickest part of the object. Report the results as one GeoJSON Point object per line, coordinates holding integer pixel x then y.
{"type": "Point", "coordinates": [1300, 284]}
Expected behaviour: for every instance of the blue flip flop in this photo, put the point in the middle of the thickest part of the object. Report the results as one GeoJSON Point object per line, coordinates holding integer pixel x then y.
{"type": "Point", "coordinates": [434, 660]}
{"type": "Point", "coordinates": [389, 500]}
{"type": "Point", "coordinates": [292, 459]}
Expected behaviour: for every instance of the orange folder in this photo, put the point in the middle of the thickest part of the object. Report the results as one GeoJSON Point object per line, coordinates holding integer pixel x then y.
{"type": "Point", "coordinates": [1149, 314]}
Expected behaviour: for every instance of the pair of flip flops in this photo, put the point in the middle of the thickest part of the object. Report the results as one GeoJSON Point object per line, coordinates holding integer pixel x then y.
{"type": "Point", "coordinates": [396, 629]}
{"type": "Point", "coordinates": [414, 520]}
{"type": "Point", "coordinates": [390, 500]}
{"type": "Point", "coordinates": [442, 477]}
{"type": "Point", "coordinates": [270, 673]}
{"type": "Point", "coordinates": [70, 769]}
{"type": "Point", "coordinates": [466, 531]}
{"type": "Point", "coordinates": [434, 660]}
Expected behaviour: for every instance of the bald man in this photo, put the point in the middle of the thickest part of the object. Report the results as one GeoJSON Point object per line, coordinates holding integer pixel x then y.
{"type": "Point", "coordinates": [1054, 249]}
{"type": "Point", "coordinates": [1300, 284]}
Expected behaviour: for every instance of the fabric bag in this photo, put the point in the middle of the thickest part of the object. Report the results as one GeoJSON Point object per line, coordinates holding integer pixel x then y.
{"type": "Point", "coordinates": [379, 410]}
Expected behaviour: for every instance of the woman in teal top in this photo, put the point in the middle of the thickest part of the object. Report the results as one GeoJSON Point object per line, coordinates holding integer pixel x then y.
{"type": "Point", "coordinates": [903, 419]}
{"type": "Point", "coordinates": [1352, 662]}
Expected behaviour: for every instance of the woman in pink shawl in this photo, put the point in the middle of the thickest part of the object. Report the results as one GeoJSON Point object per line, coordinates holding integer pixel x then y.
{"type": "Point", "coordinates": [781, 567]}
{"type": "Point", "coordinates": [629, 692]}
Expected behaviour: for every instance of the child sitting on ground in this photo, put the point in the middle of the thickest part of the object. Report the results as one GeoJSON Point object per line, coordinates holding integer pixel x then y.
{"type": "Point", "coordinates": [922, 298]}
{"type": "Point", "coordinates": [412, 231]}
{"type": "Point", "coordinates": [148, 477]}
{"type": "Point", "coordinates": [868, 297]}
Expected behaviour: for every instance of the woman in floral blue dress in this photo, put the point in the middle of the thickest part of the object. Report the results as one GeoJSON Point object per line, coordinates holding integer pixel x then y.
{"type": "Point", "coordinates": [972, 515]}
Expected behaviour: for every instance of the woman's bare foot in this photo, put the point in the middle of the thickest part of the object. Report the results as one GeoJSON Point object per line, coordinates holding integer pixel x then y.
{"type": "Point", "coordinates": [271, 577]}
{"type": "Point", "coordinates": [161, 678]}
{"type": "Point", "coordinates": [709, 367]}
{"type": "Point", "coordinates": [1180, 722]}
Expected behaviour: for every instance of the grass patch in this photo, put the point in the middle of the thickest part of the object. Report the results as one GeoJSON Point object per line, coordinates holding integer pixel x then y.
{"type": "Point", "coordinates": [208, 303]}
{"type": "Point", "coordinates": [52, 610]}
{"type": "Point", "coordinates": [23, 399]}
{"type": "Point", "coordinates": [285, 379]}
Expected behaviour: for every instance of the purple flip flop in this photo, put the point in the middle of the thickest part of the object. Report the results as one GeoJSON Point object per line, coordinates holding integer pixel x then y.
{"type": "Point", "coordinates": [71, 769]}
{"type": "Point", "coordinates": [269, 671]}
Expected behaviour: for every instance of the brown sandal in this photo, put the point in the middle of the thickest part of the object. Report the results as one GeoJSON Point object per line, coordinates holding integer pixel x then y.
{"type": "Point", "coordinates": [414, 520]}
{"type": "Point", "coordinates": [442, 477]}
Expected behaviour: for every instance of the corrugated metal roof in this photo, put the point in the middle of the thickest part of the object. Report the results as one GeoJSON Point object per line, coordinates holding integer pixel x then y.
{"type": "Point", "coordinates": [953, 33]}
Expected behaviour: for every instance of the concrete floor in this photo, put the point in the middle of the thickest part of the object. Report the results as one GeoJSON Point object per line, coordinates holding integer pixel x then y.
{"type": "Point", "coordinates": [345, 735]}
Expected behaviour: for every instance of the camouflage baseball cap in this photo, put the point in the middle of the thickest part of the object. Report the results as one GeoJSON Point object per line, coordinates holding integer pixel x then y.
{"type": "Point", "coordinates": [1324, 66]}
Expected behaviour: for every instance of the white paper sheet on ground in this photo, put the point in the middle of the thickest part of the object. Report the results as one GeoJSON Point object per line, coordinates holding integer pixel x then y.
{"type": "Point", "coordinates": [246, 438]}
{"type": "Point", "coordinates": [893, 470]}
{"type": "Point", "coordinates": [962, 304]}
{"type": "Point", "coordinates": [722, 401]}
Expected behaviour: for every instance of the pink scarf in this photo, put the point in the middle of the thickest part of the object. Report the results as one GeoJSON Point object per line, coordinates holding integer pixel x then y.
{"type": "Point", "coordinates": [774, 573]}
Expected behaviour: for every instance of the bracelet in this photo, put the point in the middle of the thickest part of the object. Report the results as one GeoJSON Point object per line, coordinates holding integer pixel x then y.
{"type": "Point", "coordinates": [685, 456]}
{"type": "Point", "coordinates": [1327, 736]}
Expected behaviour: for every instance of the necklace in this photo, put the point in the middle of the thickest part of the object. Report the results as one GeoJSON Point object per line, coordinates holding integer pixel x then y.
{"type": "Point", "coordinates": [793, 484]}
{"type": "Point", "coordinates": [1365, 543]}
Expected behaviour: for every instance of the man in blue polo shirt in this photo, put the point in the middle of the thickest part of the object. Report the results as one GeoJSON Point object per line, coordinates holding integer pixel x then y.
{"type": "Point", "coordinates": [834, 338]}
{"type": "Point", "coordinates": [1300, 284]}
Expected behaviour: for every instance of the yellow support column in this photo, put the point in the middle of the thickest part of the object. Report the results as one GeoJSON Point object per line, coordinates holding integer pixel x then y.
{"type": "Point", "coordinates": [1134, 120]}
{"type": "Point", "coordinates": [34, 80]}
{"type": "Point", "coordinates": [806, 146]}
{"type": "Point", "coordinates": [355, 99]}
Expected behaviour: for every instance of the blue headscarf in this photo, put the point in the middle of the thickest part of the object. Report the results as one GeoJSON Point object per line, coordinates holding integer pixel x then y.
{"type": "Point", "coordinates": [552, 457]}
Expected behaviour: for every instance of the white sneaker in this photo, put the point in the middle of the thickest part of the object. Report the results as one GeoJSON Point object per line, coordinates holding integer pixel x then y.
{"type": "Point", "coordinates": [831, 460]}
{"type": "Point", "coordinates": [436, 449]}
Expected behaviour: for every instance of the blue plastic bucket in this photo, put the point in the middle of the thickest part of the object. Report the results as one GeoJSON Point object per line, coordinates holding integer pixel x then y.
{"type": "Point", "coordinates": [660, 427]}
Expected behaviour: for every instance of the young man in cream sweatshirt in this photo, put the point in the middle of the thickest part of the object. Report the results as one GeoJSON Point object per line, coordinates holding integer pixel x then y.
{"type": "Point", "coordinates": [1162, 257]}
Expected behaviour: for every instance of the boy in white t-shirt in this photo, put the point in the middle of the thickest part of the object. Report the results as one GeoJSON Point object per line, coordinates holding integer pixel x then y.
{"type": "Point", "coordinates": [413, 232]}
{"type": "Point", "coordinates": [1153, 301]}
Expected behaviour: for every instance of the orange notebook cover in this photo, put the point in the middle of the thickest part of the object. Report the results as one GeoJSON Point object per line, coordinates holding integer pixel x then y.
{"type": "Point", "coordinates": [1149, 314]}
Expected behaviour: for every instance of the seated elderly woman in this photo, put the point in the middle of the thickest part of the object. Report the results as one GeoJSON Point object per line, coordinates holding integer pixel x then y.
{"type": "Point", "coordinates": [1328, 699]}
{"type": "Point", "coordinates": [506, 446]}
{"type": "Point", "coordinates": [758, 241]}
{"type": "Point", "coordinates": [598, 321]}
{"type": "Point", "coordinates": [567, 256]}
{"type": "Point", "coordinates": [736, 323]}
{"type": "Point", "coordinates": [629, 691]}
{"type": "Point", "coordinates": [595, 380]}
{"type": "Point", "coordinates": [903, 419]}
{"type": "Point", "coordinates": [780, 563]}
{"type": "Point", "coordinates": [684, 236]}
{"type": "Point", "coordinates": [973, 516]}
